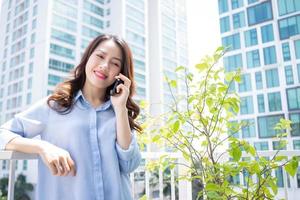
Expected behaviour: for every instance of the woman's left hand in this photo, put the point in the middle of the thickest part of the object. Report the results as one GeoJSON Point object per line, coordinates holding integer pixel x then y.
{"type": "Point", "coordinates": [119, 100]}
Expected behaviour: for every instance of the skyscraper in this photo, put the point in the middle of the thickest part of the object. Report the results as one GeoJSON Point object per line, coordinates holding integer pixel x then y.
{"type": "Point", "coordinates": [263, 37]}
{"type": "Point", "coordinates": [42, 40]}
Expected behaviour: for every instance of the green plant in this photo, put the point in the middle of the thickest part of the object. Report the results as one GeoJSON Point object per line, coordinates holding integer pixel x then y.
{"type": "Point", "coordinates": [199, 125]}
{"type": "Point", "coordinates": [21, 187]}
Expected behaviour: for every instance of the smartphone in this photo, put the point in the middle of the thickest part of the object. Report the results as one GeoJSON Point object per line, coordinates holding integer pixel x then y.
{"type": "Point", "coordinates": [113, 91]}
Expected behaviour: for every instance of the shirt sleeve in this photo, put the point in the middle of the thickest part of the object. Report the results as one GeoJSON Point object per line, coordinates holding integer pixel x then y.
{"type": "Point", "coordinates": [130, 158]}
{"type": "Point", "coordinates": [28, 123]}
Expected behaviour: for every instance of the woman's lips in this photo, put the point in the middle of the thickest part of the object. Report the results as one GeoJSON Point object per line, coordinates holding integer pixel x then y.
{"type": "Point", "coordinates": [100, 75]}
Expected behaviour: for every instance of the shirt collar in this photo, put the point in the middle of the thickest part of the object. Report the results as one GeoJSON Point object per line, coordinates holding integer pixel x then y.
{"type": "Point", "coordinates": [85, 104]}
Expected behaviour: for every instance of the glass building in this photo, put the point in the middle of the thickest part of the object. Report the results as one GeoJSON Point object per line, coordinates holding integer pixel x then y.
{"type": "Point", "coordinates": [263, 39]}
{"type": "Point", "coordinates": [41, 41]}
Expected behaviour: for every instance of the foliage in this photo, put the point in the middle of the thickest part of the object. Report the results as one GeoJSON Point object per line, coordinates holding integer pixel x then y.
{"type": "Point", "coordinates": [21, 187]}
{"type": "Point", "coordinates": [199, 125]}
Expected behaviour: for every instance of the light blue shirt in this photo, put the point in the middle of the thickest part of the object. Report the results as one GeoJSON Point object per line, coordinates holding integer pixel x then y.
{"type": "Point", "coordinates": [89, 135]}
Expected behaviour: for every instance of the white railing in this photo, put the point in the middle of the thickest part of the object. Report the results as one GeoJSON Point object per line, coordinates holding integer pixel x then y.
{"type": "Point", "coordinates": [12, 156]}
{"type": "Point", "coordinates": [184, 187]}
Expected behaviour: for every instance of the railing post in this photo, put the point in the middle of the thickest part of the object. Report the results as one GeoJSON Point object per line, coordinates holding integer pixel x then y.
{"type": "Point", "coordinates": [11, 180]}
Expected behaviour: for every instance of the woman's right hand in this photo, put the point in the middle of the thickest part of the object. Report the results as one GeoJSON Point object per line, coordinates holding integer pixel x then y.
{"type": "Point", "coordinates": [57, 160]}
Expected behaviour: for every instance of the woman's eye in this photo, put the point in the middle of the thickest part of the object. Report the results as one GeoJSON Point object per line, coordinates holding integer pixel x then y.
{"type": "Point", "coordinates": [116, 64]}
{"type": "Point", "coordinates": [100, 56]}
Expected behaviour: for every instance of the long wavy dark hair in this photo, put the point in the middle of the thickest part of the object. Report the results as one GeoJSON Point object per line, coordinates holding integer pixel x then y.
{"type": "Point", "coordinates": [64, 93]}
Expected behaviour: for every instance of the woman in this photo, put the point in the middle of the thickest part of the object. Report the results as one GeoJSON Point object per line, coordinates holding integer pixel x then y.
{"type": "Point", "coordinates": [87, 145]}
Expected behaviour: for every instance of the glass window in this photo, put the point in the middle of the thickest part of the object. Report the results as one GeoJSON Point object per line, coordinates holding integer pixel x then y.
{"type": "Point", "coordinates": [270, 55]}
{"type": "Point", "coordinates": [232, 63]}
{"type": "Point", "coordinates": [293, 98]}
{"type": "Point", "coordinates": [54, 80]}
{"type": "Point", "coordinates": [277, 145]}
{"type": "Point", "coordinates": [64, 9]}
{"type": "Point", "coordinates": [31, 53]}
{"type": "Point", "coordinates": [289, 26]}
{"type": "Point", "coordinates": [246, 105]}
{"type": "Point", "coordinates": [266, 126]}
{"type": "Point", "coordinates": [296, 144]}
{"type": "Point", "coordinates": [297, 48]}
{"type": "Point", "coordinates": [295, 118]}
{"type": "Point", "coordinates": [63, 36]}
{"type": "Point", "coordinates": [25, 164]}
{"type": "Point", "coordinates": [272, 79]}
{"type": "Point", "coordinates": [253, 59]}
{"type": "Point", "coordinates": [286, 51]}
{"type": "Point", "coordinates": [260, 13]}
{"type": "Point", "coordinates": [223, 6]}
{"type": "Point", "coordinates": [258, 80]}
{"type": "Point", "coordinates": [250, 37]}
{"type": "Point", "coordinates": [274, 100]}
{"type": "Point", "coordinates": [33, 26]}
{"type": "Point", "coordinates": [224, 24]}
{"type": "Point", "coordinates": [248, 130]}
{"type": "Point", "coordinates": [252, 1]}
{"type": "Point", "coordinates": [245, 84]}
{"type": "Point", "coordinates": [267, 33]}
{"type": "Point", "coordinates": [261, 146]}
{"type": "Point", "coordinates": [289, 79]}
{"type": "Point", "coordinates": [60, 66]}
{"type": "Point", "coordinates": [298, 70]}
{"type": "Point", "coordinates": [279, 176]}
{"type": "Point", "coordinates": [134, 25]}
{"type": "Point", "coordinates": [261, 103]}
{"type": "Point", "coordinates": [88, 32]}
{"type": "Point", "coordinates": [232, 41]}
{"type": "Point", "coordinates": [92, 20]}
{"type": "Point", "coordinates": [62, 51]}
{"type": "Point", "coordinates": [93, 8]}
{"type": "Point", "coordinates": [63, 23]}
{"type": "Point", "coordinates": [237, 3]}
{"type": "Point", "coordinates": [288, 6]}
{"type": "Point", "coordinates": [238, 20]}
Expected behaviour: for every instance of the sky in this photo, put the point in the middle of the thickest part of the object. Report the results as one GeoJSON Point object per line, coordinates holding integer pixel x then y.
{"type": "Point", "coordinates": [203, 28]}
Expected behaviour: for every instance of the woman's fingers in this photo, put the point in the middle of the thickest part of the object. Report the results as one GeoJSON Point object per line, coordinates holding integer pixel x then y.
{"type": "Point", "coordinates": [53, 168]}
{"type": "Point", "coordinates": [127, 81]}
{"type": "Point", "coordinates": [72, 166]}
{"type": "Point", "coordinates": [59, 169]}
{"type": "Point", "coordinates": [122, 88]}
{"type": "Point", "coordinates": [65, 166]}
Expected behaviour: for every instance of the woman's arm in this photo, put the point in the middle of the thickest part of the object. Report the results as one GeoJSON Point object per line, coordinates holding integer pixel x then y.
{"type": "Point", "coordinates": [56, 159]}
{"type": "Point", "coordinates": [123, 128]}
{"type": "Point", "coordinates": [15, 134]}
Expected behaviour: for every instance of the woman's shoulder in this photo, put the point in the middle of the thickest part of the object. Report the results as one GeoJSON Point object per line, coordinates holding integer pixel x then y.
{"type": "Point", "coordinates": [39, 107]}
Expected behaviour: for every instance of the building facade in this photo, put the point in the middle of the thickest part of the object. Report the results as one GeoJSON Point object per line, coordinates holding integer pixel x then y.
{"type": "Point", "coordinates": [42, 40]}
{"type": "Point", "coordinates": [263, 39]}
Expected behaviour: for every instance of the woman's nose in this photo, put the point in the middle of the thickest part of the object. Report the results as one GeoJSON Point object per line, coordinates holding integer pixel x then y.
{"type": "Point", "coordinates": [104, 64]}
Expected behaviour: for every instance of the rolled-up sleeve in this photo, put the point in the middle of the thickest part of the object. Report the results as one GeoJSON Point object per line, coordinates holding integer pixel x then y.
{"type": "Point", "coordinates": [130, 158]}
{"type": "Point", "coordinates": [28, 123]}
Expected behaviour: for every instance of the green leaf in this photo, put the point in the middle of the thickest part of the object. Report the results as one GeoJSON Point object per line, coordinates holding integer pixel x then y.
{"type": "Point", "coordinates": [292, 166]}
{"type": "Point", "coordinates": [273, 186]}
{"type": "Point", "coordinates": [202, 66]}
{"type": "Point", "coordinates": [212, 187]}
{"type": "Point", "coordinates": [175, 127]}
{"type": "Point", "coordinates": [173, 83]}
{"type": "Point", "coordinates": [156, 138]}
{"type": "Point", "coordinates": [179, 68]}
{"type": "Point", "coordinates": [236, 153]}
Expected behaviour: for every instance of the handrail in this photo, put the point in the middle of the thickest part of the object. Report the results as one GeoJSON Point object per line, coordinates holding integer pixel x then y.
{"type": "Point", "coordinates": [12, 156]}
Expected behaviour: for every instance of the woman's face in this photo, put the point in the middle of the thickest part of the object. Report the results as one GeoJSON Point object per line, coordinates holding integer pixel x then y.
{"type": "Point", "coordinates": [103, 65]}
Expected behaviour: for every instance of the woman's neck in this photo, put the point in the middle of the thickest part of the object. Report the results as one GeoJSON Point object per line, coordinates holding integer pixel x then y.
{"type": "Point", "coordinates": [95, 96]}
